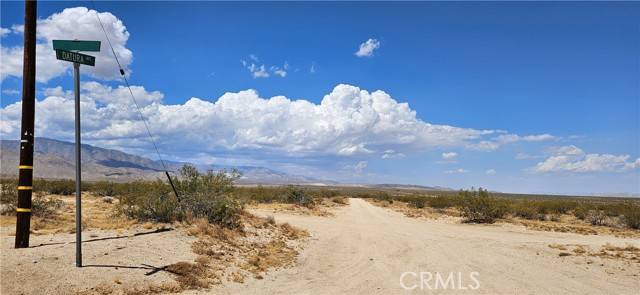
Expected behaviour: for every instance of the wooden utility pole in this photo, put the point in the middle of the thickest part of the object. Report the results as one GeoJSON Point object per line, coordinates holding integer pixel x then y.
{"type": "Point", "coordinates": [25, 180]}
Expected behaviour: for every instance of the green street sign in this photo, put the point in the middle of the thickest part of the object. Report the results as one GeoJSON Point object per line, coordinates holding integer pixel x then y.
{"type": "Point", "coordinates": [76, 57]}
{"type": "Point", "coordinates": [76, 45]}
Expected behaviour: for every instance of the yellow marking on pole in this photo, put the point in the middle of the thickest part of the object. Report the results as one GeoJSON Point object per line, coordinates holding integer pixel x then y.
{"type": "Point", "coordinates": [25, 167]}
{"type": "Point", "coordinates": [23, 210]}
{"type": "Point", "coordinates": [24, 188]}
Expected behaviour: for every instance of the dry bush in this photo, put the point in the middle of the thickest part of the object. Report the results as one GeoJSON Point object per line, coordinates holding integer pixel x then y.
{"type": "Point", "coordinates": [271, 220]}
{"type": "Point", "coordinates": [274, 254]}
{"type": "Point", "coordinates": [340, 200]}
{"type": "Point", "coordinates": [189, 275]}
{"type": "Point", "coordinates": [292, 232]}
{"type": "Point", "coordinates": [596, 217]}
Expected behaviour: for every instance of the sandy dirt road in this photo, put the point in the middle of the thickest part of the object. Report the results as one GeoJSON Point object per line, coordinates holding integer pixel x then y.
{"type": "Point", "coordinates": [365, 249]}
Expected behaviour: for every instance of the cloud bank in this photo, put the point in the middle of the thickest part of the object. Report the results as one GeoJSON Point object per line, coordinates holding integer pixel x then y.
{"type": "Point", "coordinates": [349, 121]}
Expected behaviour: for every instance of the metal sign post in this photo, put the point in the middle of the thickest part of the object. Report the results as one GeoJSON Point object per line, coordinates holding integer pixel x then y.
{"type": "Point", "coordinates": [64, 51]}
{"type": "Point", "coordinates": [76, 89]}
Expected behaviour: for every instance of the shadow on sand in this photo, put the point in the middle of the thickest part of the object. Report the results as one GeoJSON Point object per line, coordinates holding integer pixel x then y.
{"type": "Point", "coordinates": [160, 230]}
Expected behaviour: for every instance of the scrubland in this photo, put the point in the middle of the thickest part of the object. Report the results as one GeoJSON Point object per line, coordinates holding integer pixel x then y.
{"type": "Point", "coordinates": [140, 238]}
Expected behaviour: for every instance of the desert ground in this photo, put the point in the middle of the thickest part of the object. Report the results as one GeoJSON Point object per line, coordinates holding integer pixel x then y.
{"type": "Point", "coordinates": [358, 249]}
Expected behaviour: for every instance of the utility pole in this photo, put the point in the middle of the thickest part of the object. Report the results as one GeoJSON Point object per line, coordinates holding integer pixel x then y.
{"type": "Point", "coordinates": [25, 178]}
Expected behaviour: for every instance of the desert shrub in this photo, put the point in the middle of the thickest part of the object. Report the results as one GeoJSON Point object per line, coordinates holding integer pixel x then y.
{"type": "Point", "coordinates": [258, 194]}
{"type": "Point", "coordinates": [525, 210]}
{"type": "Point", "coordinates": [418, 202]}
{"type": "Point", "coordinates": [41, 206]}
{"type": "Point", "coordinates": [325, 193]}
{"type": "Point", "coordinates": [154, 201]}
{"type": "Point", "coordinates": [65, 187]}
{"type": "Point", "coordinates": [298, 196]}
{"type": "Point", "coordinates": [441, 202]}
{"type": "Point", "coordinates": [202, 195]}
{"type": "Point", "coordinates": [479, 206]}
{"type": "Point", "coordinates": [383, 196]}
{"type": "Point", "coordinates": [554, 206]}
{"type": "Point", "coordinates": [340, 200]}
{"type": "Point", "coordinates": [209, 195]}
{"type": "Point", "coordinates": [45, 207]}
{"type": "Point", "coordinates": [581, 212]}
{"type": "Point", "coordinates": [596, 217]}
{"type": "Point", "coordinates": [8, 195]}
{"type": "Point", "coordinates": [106, 188]}
{"type": "Point", "coordinates": [631, 216]}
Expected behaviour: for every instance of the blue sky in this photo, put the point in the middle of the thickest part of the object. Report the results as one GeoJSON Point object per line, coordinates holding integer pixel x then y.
{"type": "Point", "coordinates": [566, 70]}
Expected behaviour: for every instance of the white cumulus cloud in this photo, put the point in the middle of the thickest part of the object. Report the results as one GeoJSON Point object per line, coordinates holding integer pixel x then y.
{"type": "Point", "coordinates": [366, 49]}
{"type": "Point", "coordinates": [66, 25]}
{"type": "Point", "coordinates": [348, 121]}
{"type": "Point", "coordinates": [573, 159]}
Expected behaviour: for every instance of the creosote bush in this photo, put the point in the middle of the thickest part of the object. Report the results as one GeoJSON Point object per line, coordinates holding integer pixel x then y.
{"type": "Point", "coordinates": [65, 187]}
{"type": "Point", "coordinates": [478, 206]}
{"type": "Point", "coordinates": [298, 196]}
{"type": "Point", "coordinates": [631, 215]}
{"type": "Point", "coordinates": [41, 206]}
{"type": "Point", "coordinates": [202, 195]}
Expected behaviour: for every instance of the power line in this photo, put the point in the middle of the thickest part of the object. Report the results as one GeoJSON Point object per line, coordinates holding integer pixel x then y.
{"type": "Point", "coordinates": [126, 81]}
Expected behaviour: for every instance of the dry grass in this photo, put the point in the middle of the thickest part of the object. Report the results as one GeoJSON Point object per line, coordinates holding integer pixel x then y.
{"type": "Point", "coordinates": [191, 275]}
{"type": "Point", "coordinates": [568, 224]}
{"type": "Point", "coordinates": [413, 212]}
{"type": "Point", "coordinates": [627, 253]}
{"type": "Point", "coordinates": [96, 214]}
{"type": "Point", "coordinates": [259, 245]}
{"type": "Point", "coordinates": [321, 209]}
{"type": "Point", "coordinates": [565, 223]}
{"type": "Point", "coordinates": [273, 254]}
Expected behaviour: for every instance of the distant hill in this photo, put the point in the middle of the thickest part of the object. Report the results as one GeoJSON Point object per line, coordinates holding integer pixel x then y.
{"type": "Point", "coordinates": [55, 159]}
{"type": "Point", "coordinates": [411, 187]}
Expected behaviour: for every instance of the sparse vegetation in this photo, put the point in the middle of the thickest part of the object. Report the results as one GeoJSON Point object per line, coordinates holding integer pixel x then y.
{"type": "Point", "coordinates": [207, 195]}
{"type": "Point", "coordinates": [631, 215]}
{"type": "Point", "coordinates": [478, 206]}
{"type": "Point", "coordinates": [41, 206]}
{"type": "Point", "coordinates": [213, 195]}
{"type": "Point", "coordinates": [298, 196]}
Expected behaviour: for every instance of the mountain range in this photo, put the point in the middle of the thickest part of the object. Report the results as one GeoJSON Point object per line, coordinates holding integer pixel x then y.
{"type": "Point", "coordinates": [55, 159]}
